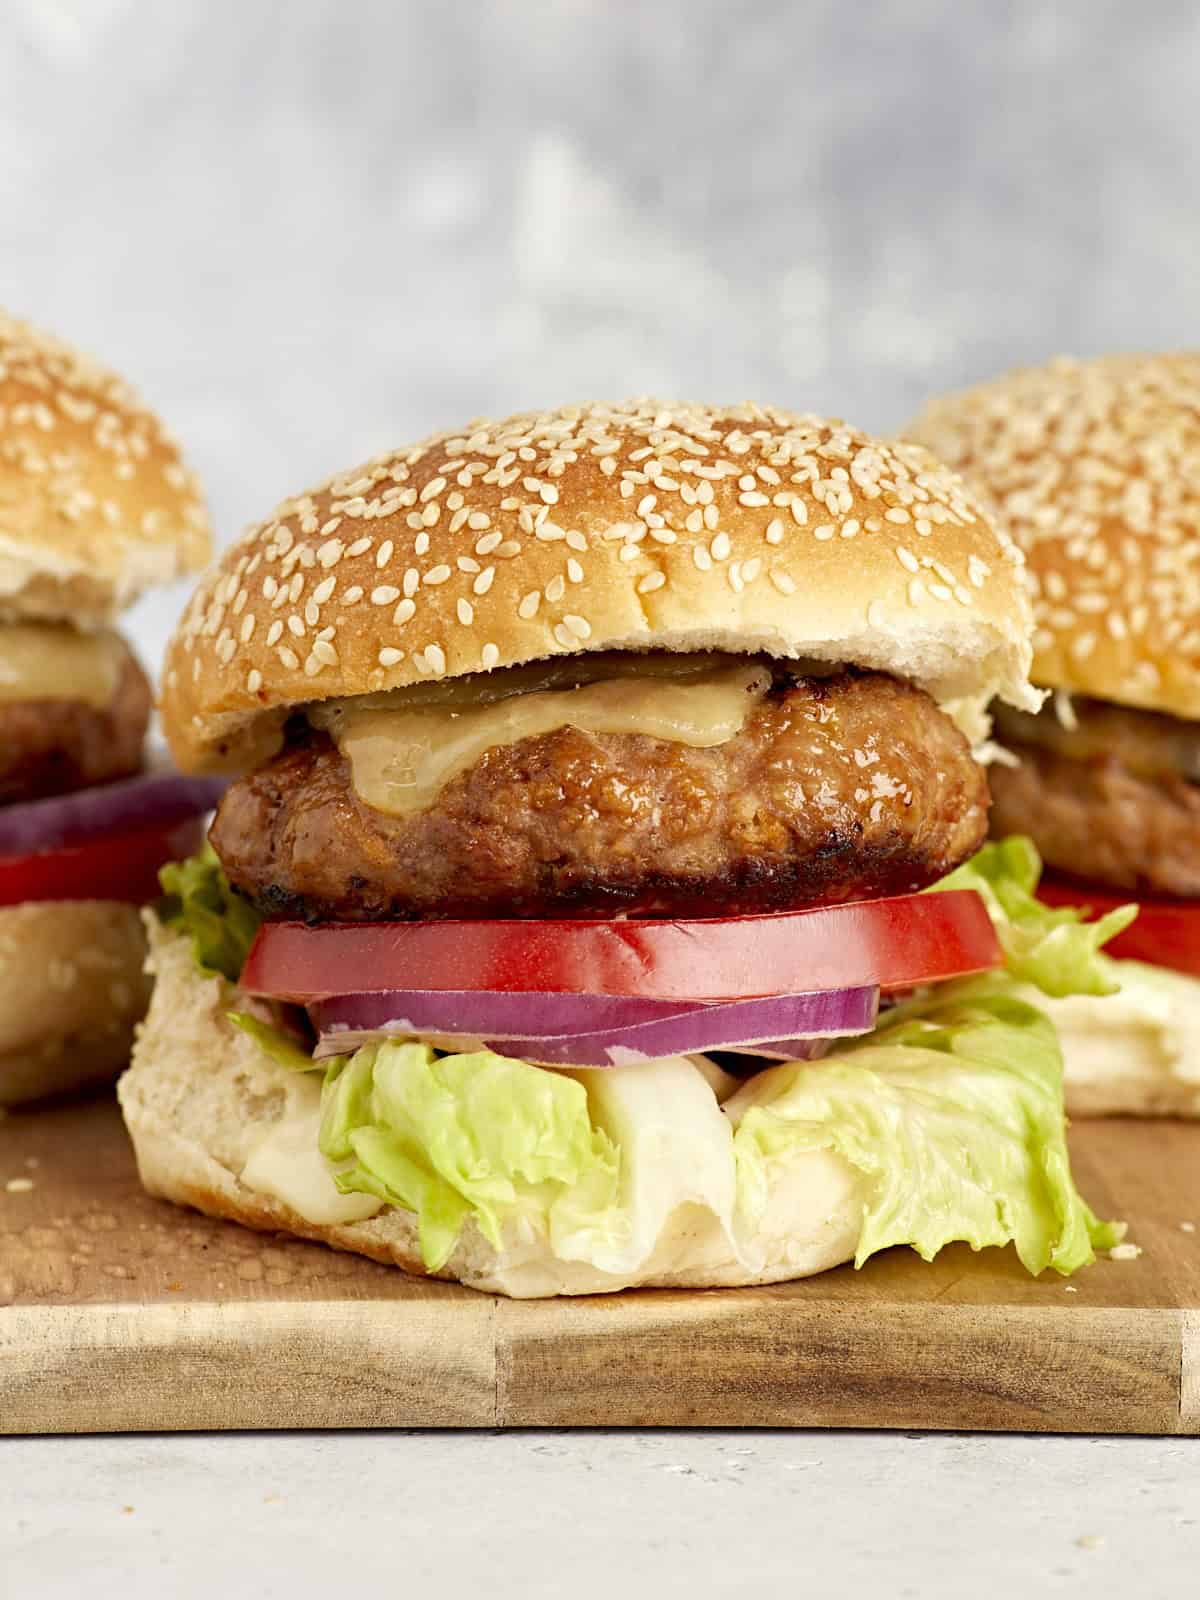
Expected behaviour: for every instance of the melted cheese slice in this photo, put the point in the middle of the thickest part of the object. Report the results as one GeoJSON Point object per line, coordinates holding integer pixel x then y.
{"type": "Point", "coordinates": [53, 661]}
{"type": "Point", "coordinates": [287, 1163]}
{"type": "Point", "coordinates": [402, 757]}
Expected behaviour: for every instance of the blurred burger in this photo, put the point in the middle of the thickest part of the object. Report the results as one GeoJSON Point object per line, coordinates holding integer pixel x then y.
{"type": "Point", "coordinates": [592, 766]}
{"type": "Point", "coordinates": [1094, 467]}
{"type": "Point", "coordinates": [94, 508]}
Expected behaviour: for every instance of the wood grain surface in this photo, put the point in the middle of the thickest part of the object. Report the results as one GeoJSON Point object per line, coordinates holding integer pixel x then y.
{"type": "Point", "coordinates": [118, 1312]}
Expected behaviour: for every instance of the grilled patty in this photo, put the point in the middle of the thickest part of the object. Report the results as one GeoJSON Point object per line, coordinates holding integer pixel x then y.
{"type": "Point", "coordinates": [836, 788]}
{"type": "Point", "coordinates": [50, 747]}
{"type": "Point", "coordinates": [1115, 798]}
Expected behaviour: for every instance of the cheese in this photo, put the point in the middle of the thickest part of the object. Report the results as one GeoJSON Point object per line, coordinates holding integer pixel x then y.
{"type": "Point", "coordinates": [287, 1163]}
{"type": "Point", "coordinates": [53, 661]}
{"type": "Point", "coordinates": [401, 755]}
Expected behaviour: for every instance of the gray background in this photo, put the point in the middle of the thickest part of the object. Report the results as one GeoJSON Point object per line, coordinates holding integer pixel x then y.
{"type": "Point", "coordinates": [312, 229]}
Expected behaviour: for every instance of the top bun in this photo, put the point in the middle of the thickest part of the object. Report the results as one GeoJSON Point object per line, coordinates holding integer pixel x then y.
{"type": "Point", "coordinates": [95, 505]}
{"type": "Point", "coordinates": [599, 527]}
{"type": "Point", "coordinates": [1094, 467]}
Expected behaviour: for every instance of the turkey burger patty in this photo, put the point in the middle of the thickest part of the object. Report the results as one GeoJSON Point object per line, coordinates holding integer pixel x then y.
{"type": "Point", "coordinates": [844, 786]}
{"type": "Point", "coordinates": [51, 745]}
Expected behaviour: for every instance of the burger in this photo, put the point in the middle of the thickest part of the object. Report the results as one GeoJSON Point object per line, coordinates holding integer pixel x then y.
{"type": "Point", "coordinates": [95, 507]}
{"type": "Point", "coordinates": [1094, 468]}
{"type": "Point", "coordinates": [564, 927]}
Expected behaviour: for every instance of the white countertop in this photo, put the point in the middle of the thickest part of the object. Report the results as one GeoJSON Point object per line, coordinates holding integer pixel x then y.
{"type": "Point", "coordinates": [573, 1514]}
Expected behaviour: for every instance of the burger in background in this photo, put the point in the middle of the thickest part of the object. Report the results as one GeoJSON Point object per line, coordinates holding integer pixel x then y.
{"type": "Point", "coordinates": [593, 766]}
{"type": "Point", "coordinates": [95, 507]}
{"type": "Point", "coordinates": [1094, 468]}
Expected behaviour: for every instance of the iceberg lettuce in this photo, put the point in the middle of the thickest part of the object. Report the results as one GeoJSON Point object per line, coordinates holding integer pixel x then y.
{"type": "Point", "coordinates": [198, 900]}
{"type": "Point", "coordinates": [1055, 950]}
{"type": "Point", "coordinates": [953, 1110]}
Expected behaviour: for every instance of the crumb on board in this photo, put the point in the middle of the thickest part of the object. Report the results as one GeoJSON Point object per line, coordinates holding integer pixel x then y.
{"type": "Point", "coordinates": [1090, 1541]}
{"type": "Point", "coordinates": [18, 1186]}
{"type": "Point", "coordinates": [1125, 1252]}
{"type": "Point", "coordinates": [1187, 1227]}
{"type": "Point", "coordinates": [1070, 1289]}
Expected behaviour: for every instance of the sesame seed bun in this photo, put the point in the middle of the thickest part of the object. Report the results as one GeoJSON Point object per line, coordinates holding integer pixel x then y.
{"type": "Point", "coordinates": [72, 989]}
{"type": "Point", "coordinates": [635, 527]}
{"type": "Point", "coordinates": [95, 504]}
{"type": "Point", "coordinates": [1094, 468]}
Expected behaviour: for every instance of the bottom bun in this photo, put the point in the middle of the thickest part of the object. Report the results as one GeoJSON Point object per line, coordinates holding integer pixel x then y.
{"type": "Point", "coordinates": [1135, 1053]}
{"type": "Point", "coordinates": [72, 989]}
{"type": "Point", "coordinates": [201, 1099]}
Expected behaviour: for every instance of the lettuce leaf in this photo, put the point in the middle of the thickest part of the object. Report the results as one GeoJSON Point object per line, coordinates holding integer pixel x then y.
{"type": "Point", "coordinates": [953, 1110]}
{"type": "Point", "coordinates": [199, 900]}
{"type": "Point", "coordinates": [273, 1041]}
{"type": "Point", "coordinates": [1053, 949]}
{"type": "Point", "coordinates": [468, 1135]}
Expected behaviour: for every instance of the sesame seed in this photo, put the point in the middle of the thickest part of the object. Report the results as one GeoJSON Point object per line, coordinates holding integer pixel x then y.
{"type": "Point", "coordinates": [385, 595]}
{"type": "Point", "coordinates": [384, 554]}
{"type": "Point", "coordinates": [579, 626]}
{"type": "Point", "coordinates": [466, 613]}
{"type": "Point", "coordinates": [907, 559]}
{"type": "Point", "coordinates": [783, 581]}
{"type": "Point", "coordinates": [529, 604]}
{"type": "Point", "coordinates": [774, 531]}
{"type": "Point", "coordinates": [651, 582]}
{"type": "Point", "coordinates": [253, 680]}
{"type": "Point", "coordinates": [720, 547]}
{"type": "Point", "coordinates": [289, 658]}
{"type": "Point", "coordinates": [389, 656]}
{"type": "Point", "coordinates": [437, 575]}
{"type": "Point", "coordinates": [435, 658]}
{"type": "Point", "coordinates": [489, 655]}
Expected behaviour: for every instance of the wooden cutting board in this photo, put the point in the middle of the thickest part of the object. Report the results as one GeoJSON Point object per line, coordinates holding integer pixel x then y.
{"type": "Point", "coordinates": [119, 1312]}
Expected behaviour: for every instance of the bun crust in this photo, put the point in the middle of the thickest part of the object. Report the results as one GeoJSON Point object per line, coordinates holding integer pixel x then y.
{"type": "Point", "coordinates": [641, 526]}
{"type": "Point", "coordinates": [1094, 468]}
{"type": "Point", "coordinates": [72, 989]}
{"type": "Point", "coordinates": [95, 503]}
{"type": "Point", "coordinates": [200, 1094]}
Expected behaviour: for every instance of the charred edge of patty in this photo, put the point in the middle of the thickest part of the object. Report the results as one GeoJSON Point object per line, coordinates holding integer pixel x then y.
{"type": "Point", "coordinates": [750, 886]}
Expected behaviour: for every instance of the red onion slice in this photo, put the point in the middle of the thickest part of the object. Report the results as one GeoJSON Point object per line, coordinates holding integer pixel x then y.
{"type": "Point", "coordinates": [152, 799]}
{"type": "Point", "coordinates": [595, 1030]}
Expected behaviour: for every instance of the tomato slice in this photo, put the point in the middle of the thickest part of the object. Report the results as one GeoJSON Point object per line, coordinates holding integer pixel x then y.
{"type": "Point", "coordinates": [1165, 934]}
{"type": "Point", "coordinates": [121, 866]}
{"type": "Point", "coordinates": [896, 944]}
